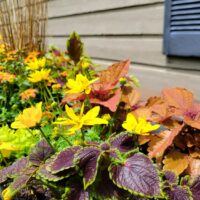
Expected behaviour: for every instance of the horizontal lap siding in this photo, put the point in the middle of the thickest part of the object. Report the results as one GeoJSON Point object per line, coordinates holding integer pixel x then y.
{"type": "Point", "coordinates": [115, 29]}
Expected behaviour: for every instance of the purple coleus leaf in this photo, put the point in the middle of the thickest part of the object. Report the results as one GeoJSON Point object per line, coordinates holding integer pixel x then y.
{"type": "Point", "coordinates": [63, 160]}
{"type": "Point", "coordinates": [176, 192]}
{"type": "Point", "coordinates": [40, 153]}
{"type": "Point", "coordinates": [195, 188]}
{"type": "Point", "coordinates": [88, 160]}
{"type": "Point", "coordinates": [138, 175]}
{"type": "Point", "coordinates": [13, 169]}
{"type": "Point", "coordinates": [106, 189]}
{"type": "Point", "coordinates": [170, 177]}
{"type": "Point", "coordinates": [123, 142]}
{"type": "Point", "coordinates": [23, 178]}
{"type": "Point", "coordinates": [44, 173]}
{"type": "Point", "coordinates": [77, 192]}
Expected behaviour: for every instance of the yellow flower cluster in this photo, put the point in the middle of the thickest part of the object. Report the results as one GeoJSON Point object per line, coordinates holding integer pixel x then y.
{"type": "Point", "coordinates": [4, 76]}
{"type": "Point", "coordinates": [36, 63]}
{"type": "Point", "coordinates": [81, 84]}
{"type": "Point", "coordinates": [138, 126]}
{"type": "Point", "coordinates": [78, 121]}
{"type": "Point", "coordinates": [39, 75]}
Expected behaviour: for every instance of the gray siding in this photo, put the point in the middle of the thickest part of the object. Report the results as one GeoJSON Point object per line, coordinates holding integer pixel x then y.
{"type": "Point", "coordinates": [119, 29]}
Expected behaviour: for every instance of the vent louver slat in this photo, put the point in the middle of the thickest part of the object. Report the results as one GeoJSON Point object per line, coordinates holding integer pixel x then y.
{"type": "Point", "coordinates": [185, 15]}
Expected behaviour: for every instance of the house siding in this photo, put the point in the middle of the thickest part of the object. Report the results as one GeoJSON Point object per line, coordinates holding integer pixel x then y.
{"type": "Point", "coordinates": [114, 30]}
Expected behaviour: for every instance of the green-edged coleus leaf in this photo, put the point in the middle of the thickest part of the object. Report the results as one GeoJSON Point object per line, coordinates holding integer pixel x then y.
{"type": "Point", "coordinates": [40, 153]}
{"type": "Point", "coordinates": [176, 192]}
{"type": "Point", "coordinates": [75, 47]}
{"type": "Point", "coordinates": [105, 189]}
{"type": "Point", "coordinates": [63, 160]}
{"type": "Point", "coordinates": [123, 141]}
{"type": "Point", "coordinates": [138, 175]}
{"type": "Point", "coordinates": [88, 160]}
{"type": "Point", "coordinates": [76, 191]}
{"type": "Point", "coordinates": [170, 177]}
{"type": "Point", "coordinates": [14, 169]}
{"type": "Point", "coordinates": [195, 189]}
{"type": "Point", "coordinates": [22, 180]}
{"type": "Point", "coordinates": [44, 173]}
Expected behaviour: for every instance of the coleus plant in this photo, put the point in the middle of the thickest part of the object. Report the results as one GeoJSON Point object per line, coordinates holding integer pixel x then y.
{"type": "Point", "coordinates": [114, 169]}
{"type": "Point", "coordinates": [177, 110]}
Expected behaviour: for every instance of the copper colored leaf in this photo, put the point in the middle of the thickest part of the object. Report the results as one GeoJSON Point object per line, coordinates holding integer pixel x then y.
{"type": "Point", "coordinates": [110, 103]}
{"type": "Point", "coordinates": [130, 96]}
{"type": "Point", "coordinates": [14, 169]}
{"type": "Point", "coordinates": [178, 97]}
{"type": "Point", "coordinates": [75, 47]}
{"type": "Point", "coordinates": [195, 153]}
{"type": "Point", "coordinates": [112, 74]}
{"type": "Point", "coordinates": [195, 123]}
{"type": "Point", "coordinates": [137, 174]}
{"type": "Point", "coordinates": [40, 153]}
{"type": "Point", "coordinates": [193, 167]}
{"type": "Point", "coordinates": [63, 160]}
{"type": "Point", "coordinates": [72, 97]}
{"type": "Point", "coordinates": [176, 162]}
{"type": "Point", "coordinates": [144, 139]}
{"type": "Point", "coordinates": [160, 142]}
{"type": "Point", "coordinates": [88, 160]}
{"type": "Point", "coordinates": [195, 188]}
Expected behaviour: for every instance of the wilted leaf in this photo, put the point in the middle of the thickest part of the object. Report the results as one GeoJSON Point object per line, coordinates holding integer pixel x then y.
{"type": "Point", "coordinates": [14, 169]}
{"type": "Point", "coordinates": [110, 103]}
{"type": "Point", "coordinates": [160, 142]}
{"type": "Point", "coordinates": [40, 153]}
{"type": "Point", "coordinates": [63, 160]}
{"type": "Point", "coordinates": [88, 160]}
{"type": "Point", "coordinates": [75, 47]}
{"type": "Point", "coordinates": [137, 175]}
{"type": "Point", "coordinates": [176, 162]}
{"type": "Point", "coordinates": [195, 188]}
{"type": "Point", "coordinates": [123, 142]}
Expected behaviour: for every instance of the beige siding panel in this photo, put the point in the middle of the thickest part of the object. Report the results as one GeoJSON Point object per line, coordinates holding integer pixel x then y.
{"type": "Point", "coordinates": [140, 50]}
{"type": "Point", "coordinates": [70, 7]}
{"type": "Point", "coordinates": [143, 20]}
{"type": "Point", "coordinates": [143, 50]}
{"type": "Point", "coordinates": [153, 80]}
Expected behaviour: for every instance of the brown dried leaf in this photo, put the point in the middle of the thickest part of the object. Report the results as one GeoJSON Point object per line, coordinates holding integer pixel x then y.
{"type": "Point", "coordinates": [162, 141]}
{"type": "Point", "coordinates": [176, 162]}
{"type": "Point", "coordinates": [195, 152]}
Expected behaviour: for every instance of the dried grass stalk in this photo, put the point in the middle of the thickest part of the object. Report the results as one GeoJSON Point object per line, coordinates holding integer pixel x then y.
{"type": "Point", "coordinates": [23, 23]}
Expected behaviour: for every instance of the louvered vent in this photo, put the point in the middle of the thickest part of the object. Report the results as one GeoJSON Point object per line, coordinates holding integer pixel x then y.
{"type": "Point", "coordinates": [185, 16]}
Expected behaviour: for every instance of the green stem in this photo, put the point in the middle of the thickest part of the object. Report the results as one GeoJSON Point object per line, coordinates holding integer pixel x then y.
{"type": "Point", "coordinates": [82, 137]}
{"type": "Point", "coordinates": [88, 100]}
{"type": "Point", "coordinates": [67, 140]}
{"type": "Point", "coordinates": [49, 93]}
{"type": "Point", "coordinates": [45, 137]}
{"type": "Point", "coordinates": [4, 160]}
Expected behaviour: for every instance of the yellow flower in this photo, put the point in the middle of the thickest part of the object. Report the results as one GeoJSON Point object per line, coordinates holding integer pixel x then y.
{"type": "Point", "coordinates": [7, 194]}
{"type": "Point", "coordinates": [106, 117]}
{"type": "Point", "coordinates": [138, 126]}
{"type": "Point", "coordinates": [27, 94]}
{"type": "Point", "coordinates": [78, 121]}
{"type": "Point", "coordinates": [6, 149]}
{"type": "Point", "coordinates": [1, 37]}
{"type": "Point", "coordinates": [4, 76]}
{"type": "Point", "coordinates": [29, 118]}
{"type": "Point", "coordinates": [2, 48]}
{"type": "Point", "coordinates": [81, 84]}
{"type": "Point", "coordinates": [38, 76]}
{"type": "Point", "coordinates": [35, 63]}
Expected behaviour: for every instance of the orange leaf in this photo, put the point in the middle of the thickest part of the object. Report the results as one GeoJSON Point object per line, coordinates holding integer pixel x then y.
{"type": "Point", "coordinates": [195, 153]}
{"type": "Point", "coordinates": [116, 71]}
{"type": "Point", "coordinates": [130, 96]}
{"type": "Point", "coordinates": [194, 167]}
{"type": "Point", "coordinates": [144, 139]}
{"type": "Point", "coordinates": [111, 103]}
{"type": "Point", "coordinates": [176, 162]}
{"type": "Point", "coordinates": [195, 123]}
{"type": "Point", "coordinates": [180, 98]}
{"type": "Point", "coordinates": [162, 141]}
